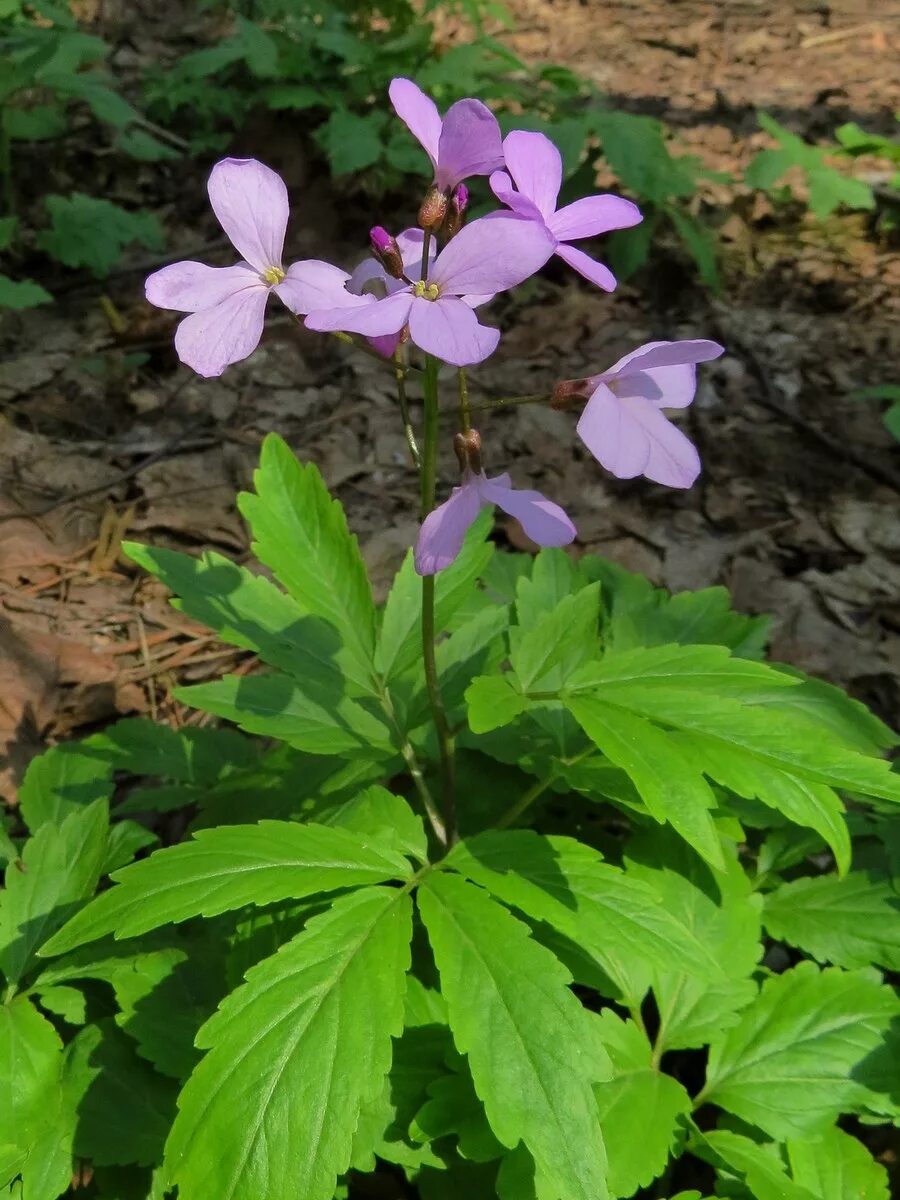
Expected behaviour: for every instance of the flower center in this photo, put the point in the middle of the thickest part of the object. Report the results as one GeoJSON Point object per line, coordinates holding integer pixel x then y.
{"type": "Point", "coordinates": [272, 275]}
{"type": "Point", "coordinates": [425, 291]}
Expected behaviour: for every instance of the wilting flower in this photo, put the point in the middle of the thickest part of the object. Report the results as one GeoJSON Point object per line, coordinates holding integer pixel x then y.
{"type": "Point", "coordinates": [536, 167]}
{"type": "Point", "coordinates": [623, 424]}
{"type": "Point", "coordinates": [227, 304]}
{"type": "Point", "coordinates": [443, 530]}
{"type": "Point", "coordinates": [484, 258]}
{"type": "Point", "coordinates": [466, 142]}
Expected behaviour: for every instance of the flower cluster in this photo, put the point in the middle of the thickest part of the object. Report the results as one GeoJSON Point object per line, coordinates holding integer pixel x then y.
{"type": "Point", "coordinates": [410, 290]}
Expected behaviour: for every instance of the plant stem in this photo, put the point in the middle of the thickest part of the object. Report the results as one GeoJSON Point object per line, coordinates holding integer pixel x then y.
{"type": "Point", "coordinates": [414, 768]}
{"type": "Point", "coordinates": [426, 246]}
{"type": "Point", "coordinates": [538, 788]}
{"type": "Point", "coordinates": [509, 402]}
{"type": "Point", "coordinates": [439, 715]}
{"type": "Point", "coordinates": [465, 421]}
{"type": "Point", "coordinates": [6, 179]}
{"type": "Point", "coordinates": [400, 376]}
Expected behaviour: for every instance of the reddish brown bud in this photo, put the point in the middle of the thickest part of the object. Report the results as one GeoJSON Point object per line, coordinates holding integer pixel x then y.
{"type": "Point", "coordinates": [386, 250]}
{"type": "Point", "coordinates": [568, 391]}
{"type": "Point", "coordinates": [433, 211]}
{"type": "Point", "coordinates": [456, 212]}
{"type": "Point", "coordinates": [468, 450]}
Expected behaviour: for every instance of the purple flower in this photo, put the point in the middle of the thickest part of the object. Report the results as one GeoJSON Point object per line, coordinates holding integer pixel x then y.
{"type": "Point", "coordinates": [536, 167]}
{"type": "Point", "coordinates": [443, 530]}
{"type": "Point", "coordinates": [486, 257]}
{"type": "Point", "coordinates": [623, 424]}
{"type": "Point", "coordinates": [227, 304]}
{"type": "Point", "coordinates": [466, 142]}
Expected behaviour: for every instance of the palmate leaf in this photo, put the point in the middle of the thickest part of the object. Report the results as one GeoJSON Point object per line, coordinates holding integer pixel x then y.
{"type": "Point", "coordinates": [850, 922]}
{"type": "Point", "coordinates": [637, 1087]}
{"type": "Point", "coordinates": [563, 639]}
{"type": "Point", "coordinates": [553, 577]}
{"type": "Point", "coordinates": [802, 1052]}
{"type": "Point", "coordinates": [226, 868]}
{"type": "Point", "coordinates": [616, 920]}
{"type": "Point", "coordinates": [293, 1054]}
{"type": "Point", "coordinates": [533, 1050]}
{"type": "Point", "coordinates": [300, 532]}
{"type": "Point", "coordinates": [60, 781]}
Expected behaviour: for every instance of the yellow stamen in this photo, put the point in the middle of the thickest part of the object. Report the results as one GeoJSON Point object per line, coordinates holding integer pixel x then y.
{"type": "Point", "coordinates": [426, 291]}
{"type": "Point", "coordinates": [273, 275]}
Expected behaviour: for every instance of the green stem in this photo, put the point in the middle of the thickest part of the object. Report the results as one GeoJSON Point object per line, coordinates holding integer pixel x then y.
{"type": "Point", "coordinates": [538, 788]}
{"type": "Point", "coordinates": [409, 434]}
{"type": "Point", "coordinates": [414, 768]}
{"type": "Point", "coordinates": [509, 402]}
{"type": "Point", "coordinates": [439, 715]}
{"type": "Point", "coordinates": [426, 246]}
{"type": "Point", "coordinates": [465, 421]}
{"type": "Point", "coordinates": [6, 179]}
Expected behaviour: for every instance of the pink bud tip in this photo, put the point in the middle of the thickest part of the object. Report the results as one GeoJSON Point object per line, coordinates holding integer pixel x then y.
{"type": "Point", "coordinates": [380, 238]}
{"type": "Point", "coordinates": [386, 250]}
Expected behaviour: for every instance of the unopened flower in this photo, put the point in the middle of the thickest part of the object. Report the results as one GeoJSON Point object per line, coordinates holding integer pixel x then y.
{"type": "Point", "coordinates": [466, 142]}
{"type": "Point", "coordinates": [486, 257]}
{"type": "Point", "coordinates": [386, 250]}
{"type": "Point", "coordinates": [456, 212]}
{"type": "Point", "coordinates": [623, 424]}
{"type": "Point", "coordinates": [536, 168]}
{"type": "Point", "coordinates": [443, 530]}
{"type": "Point", "coordinates": [227, 304]}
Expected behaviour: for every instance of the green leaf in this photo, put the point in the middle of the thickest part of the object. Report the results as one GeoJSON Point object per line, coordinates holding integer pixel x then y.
{"type": "Point", "coordinates": [453, 1109]}
{"type": "Point", "coordinates": [22, 294]}
{"type": "Point", "coordinates": [629, 249]}
{"type": "Point", "coordinates": [850, 922]}
{"type": "Point", "coordinates": [226, 868]}
{"type": "Point", "coordinates": [143, 146]}
{"type": "Point", "coordinates": [552, 578]}
{"type": "Point", "coordinates": [636, 150]}
{"type": "Point", "coordinates": [700, 242]}
{"type": "Point", "coordinates": [8, 227]}
{"type": "Point", "coordinates": [351, 142]}
{"type": "Point", "coordinates": [670, 785]}
{"type": "Point", "coordinates": [631, 676]}
{"type": "Point", "coordinates": [381, 816]}
{"type": "Point", "coordinates": [400, 638]}
{"type": "Point", "coordinates": [66, 1002]}
{"type": "Point", "coordinates": [545, 655]}
{"type": "Point", "coordinates": [760, 1167]}
{"type": "Point", "coordinates": [59, 869]}
{"type": "Point", "coordinates": [293, 1055]}
{"type": "Point", "coordinates": [473, 648]}
{"type": "Point", "coordinates": [92, 233]}
{"type": "Point", "coordinates": [296, 96]}
{"type": "Point", "coordinates": [792, 1064]}
{"type": "Point", "coordinates": [125, 839]}
{"type": "Point", "coordinates": [829, 190]}
{"type": "Point", "coordinates": [617, 920]}
{"type": "Point", "coordinates": [637, 1088]}
{"type": "Point", "coordinates": [125, 1108]}
{"type": "Point", "coordinates": [493, 701]}
{"type": "Point", "coordinates": [189, 755]}
{"type": "Point", "coordinates": [838, 1167]}
{"type": "Point", "coordinates": [891, 421]}
{"type": "Point", "coordinates": [301, 533]}
{"type": "Point", "coordinates": [277, 706]}
{"type": "Point", "coordinates": [504, 993]}
{"type": "Point", "coordinates": [62, 780]}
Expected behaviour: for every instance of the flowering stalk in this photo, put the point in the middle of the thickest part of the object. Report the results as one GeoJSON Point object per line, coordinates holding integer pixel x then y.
{"type": "Point", "coordinates": [428, 472]}
{"type": "Point", "coordinates": [465, 422]}
{"type": "Point", "coordinates": [400, 376]}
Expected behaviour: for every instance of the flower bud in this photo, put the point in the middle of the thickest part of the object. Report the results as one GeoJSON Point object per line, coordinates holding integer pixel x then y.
{"type": "Point", "coordinates": [568, 391]}
{"type": "Point", "coordinates": [456, 213]}
{"type": "Point", "coordinates": [386, 250]}
{"type": "Point", "coordinates": [468, 450]}
{"type": "Point", "coordinates": [433, 211]}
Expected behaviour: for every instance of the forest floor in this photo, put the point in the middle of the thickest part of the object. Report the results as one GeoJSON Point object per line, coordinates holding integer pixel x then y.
{"type": "Point", "coordinates": [796, 510]}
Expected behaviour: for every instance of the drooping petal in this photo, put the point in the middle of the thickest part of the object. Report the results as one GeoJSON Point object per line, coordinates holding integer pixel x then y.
{"type": "Point", "coordinates": [589, 268]}
{"type": "Point", "coordinates": [314, 284]}
{"type": "Point", "coordinates": [449, 329]}
{"type": "Point", "coordinates": [502, 187]}
{"type": "Point", "coordinates": [491, 255]}
{"type": "Point", "coordinates": [375, 319]}
{"type": "Point", "coordinates": [212, 339]}
{"type": "Point", "coordinates": [470, 143]}
{"type": "Point", "coordinates": [629, 436]}
{"type": "Point", "coordinates": [251, 203]}
{"type": "Point", "coordinates": [385, 346]}
{"type": "Point", "coordinates": [443, 530]}
{"type": "Point", "coordinates": [666, 387]}
{"type": "Point", "coordinates": [536, 166]}
{"type": "Point", "coordinates": [664, 354]}
{"type": "Point", "coordinates": [594, 215]}
{"type": "Point", "coordinates": [192, 286]}
{"type": "Point", "coordinates": [418, 113]}
{"type": "Point", "coordinates": [542, 520]}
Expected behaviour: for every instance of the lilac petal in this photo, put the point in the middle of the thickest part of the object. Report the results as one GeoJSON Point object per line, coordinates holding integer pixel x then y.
{"type": "Point", "coordinates": [630, 436]}
{"type": "Point", "coordinates": [210, 340]}
{"type": "Point", "coordinates": [374, 319]}
{"type": "Point", "coordinates": [385, 346]}
{"type": "Point", "coordinates": [419, 114]}
{"type": "Point", "coordinates": [666, 387]}
{"type": "Point", "coordinates": [501, 186]}
{"type": "Point", "coordinates": [592, 270]}
{"type": "Point", "coordinates": [192, 286]}
{"type": "Point", "coordinates": [490, 255]}
{"type": "Point", "coordinates": [449, 329]}
{"type": "Point", "coordinates": [470, 143]}
{"type": "Point", "coordinates": [536, 166]}
{"type": "Point", "coordinates": [594, 215]}
{"type": "Point", "coordinates": [664, 354]}
{"type": "Point", "coordinates": [542, 520]}
{"type": "Point", "coordinates": [251, 203]}
{"type": "Point", "coordinates": [443, 530]}
{"type": "Point", "coordinates": [314, 284]}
